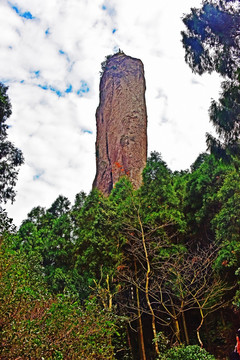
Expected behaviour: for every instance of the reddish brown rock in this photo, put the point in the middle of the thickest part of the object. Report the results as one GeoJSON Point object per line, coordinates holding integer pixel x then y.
{"type": "Point", "coordinates": [121, 145]}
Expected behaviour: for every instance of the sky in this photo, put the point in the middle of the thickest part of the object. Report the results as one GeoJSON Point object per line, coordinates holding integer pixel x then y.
{"type": "Point", "coordinates": [51, 54]}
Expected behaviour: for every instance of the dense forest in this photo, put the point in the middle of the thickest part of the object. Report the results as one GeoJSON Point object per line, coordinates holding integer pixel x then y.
{"type": "Point", "coordinates": [145, 274]}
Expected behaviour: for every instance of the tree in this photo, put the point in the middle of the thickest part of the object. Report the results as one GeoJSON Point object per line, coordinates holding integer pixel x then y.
{"type": "Point", "coordinates": [147, 215]}
{"type": "Point", "coordinates": [10, 156]}
{"type": "Point", "coordinates": [47, 235]}
{"type": "Point", "coordinates": [211, 43]}
{"type": "Point", "coordinates": [174, 281]}
{"type": "Point", "coordinates": [6, 224]}
{"type": "Point", "coordinates": [10, 159]}
{"type": "Point", "coordinates": [97, 241]}
{"type": "Point", "coordinates": [37, 325]}
{"type": "Point", "coordinates": [60, 206]}
{"type": "Point", "coordinates": [226, 225]}
{"type": "Point", "coordinates": [192, 285]}
{"type": "Point", "coordinates": [77, 206]}
{"type": "Point", "coordinates": [143, 251]}
{"type": "Point", "coordinates": [201, 202]}
{"type": "Point", "coordinates": [225, 116]}
{"type": "Point", "coordinates": [158, 198]}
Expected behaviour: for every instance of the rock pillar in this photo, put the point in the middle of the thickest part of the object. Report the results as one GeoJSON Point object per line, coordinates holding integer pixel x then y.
{"type": "Point", "coordinates": [121, 145]}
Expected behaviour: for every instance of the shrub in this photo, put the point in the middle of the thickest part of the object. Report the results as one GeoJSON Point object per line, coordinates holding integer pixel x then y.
{"type": "Point", "coordinates": [36, 325]}
{"type": "Point", "coordinates": [189, 352]}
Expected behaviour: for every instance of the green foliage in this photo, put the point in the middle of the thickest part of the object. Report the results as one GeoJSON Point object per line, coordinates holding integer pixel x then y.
{"type": "Point", "coordinates": [74, 246]}
{"type": "Point", "coordinates": [47, 235]}
{"type": "Point", "coordinates": [59, 207]}
{"type": "Point", "coordinates": [227, 222]}
{"type": "Point", "coordinates": [10, 157]}
{"type": "Point", "coordinates": [209, 40]}
{"type": "Point", "coordinates": [157, 182]}
{"type": "Point", "coordinates": [97, 246]}
{"type": "Point", "coordinates": [187, 353]}
{"type": "Point", "coordinates": [224, 114]}
{"type": "Point", "coordinates": [162, 341]}
{"type": "Point", "coordinates": [5, 110]}
{"type": "Point", "coordinates": [201, 203]}
{"type": "Point", "coordinates": [104, 64]}
{"type": "Point", "coordinates": [6, 224]}
{"type": "Point", "coordinates": [36, 325]}
{"type": "Point", "coordinates": [210, 45]}
{"type": "Point", "coordinates": [77, 206]}
{"type": "Point", "coordinates": [109, 246]}
{"type": "Point", "coordinates": [157, 197]}
{"type": "Point", "coordinates": [211, 205]}
{"type": "Point", "coordinates": [199, 161]}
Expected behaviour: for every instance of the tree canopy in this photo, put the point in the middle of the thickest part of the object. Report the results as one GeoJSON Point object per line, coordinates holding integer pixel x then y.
{"type": "Point", "coordinates": [212, 43]}
{"type": "Point", "coordinates": [164, 257]}
{"type": "Point", "coordinates": [212, 38]}
{"type": "Point", "coordinates": [10, 158]}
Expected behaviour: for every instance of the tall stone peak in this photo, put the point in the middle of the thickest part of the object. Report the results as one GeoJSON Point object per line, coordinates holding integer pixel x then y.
{"type": "Point", "coordinates": [121, 145]}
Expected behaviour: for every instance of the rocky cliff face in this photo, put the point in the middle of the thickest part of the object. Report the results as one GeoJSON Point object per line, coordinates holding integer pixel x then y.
{"type": "Point", "coordinates": [121, 145]}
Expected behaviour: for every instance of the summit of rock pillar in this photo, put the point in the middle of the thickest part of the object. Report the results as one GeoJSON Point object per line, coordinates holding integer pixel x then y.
{"type": "Point", "coordinates": [121, 145]}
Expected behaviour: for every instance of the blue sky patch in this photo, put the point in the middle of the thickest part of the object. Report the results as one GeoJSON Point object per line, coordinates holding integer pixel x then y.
{"type": "Point", "coordinates": [61, 52]}
{"type": "Point", "coordinates": [87, 131]}
{"type": "Point", "coordinates": [110, 10]}
{"type": "Point", "coordinates": [51, 88]}
{"type": "Point", "coordinates": [26, 15]}
{"type": "Point", "coordinates": [44, 87]}
{"type": "Point", "coordinates": [38, 175]}
{"type": "Point", "coordinates": [35, 74]}
{"type": "Point", "coordinates": [69, 89]}
{"type": "Point", "coordinates": [58, 92]}
{"type": "Point", "coordinates": [84, 88]}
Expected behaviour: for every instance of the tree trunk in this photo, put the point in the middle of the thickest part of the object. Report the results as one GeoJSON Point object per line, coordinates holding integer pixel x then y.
{"type": "Point", "coordinates": [140, 327]}
{"type": "Point", "coordinates": [176, 323]}
{"type": "Point", "coordinates": [147, 288]}
{"type": "Point", "coordinates": [185, 328]}
{"type": "Point", "coordinates": [199, 327]}
{"type": "Point", "coordinates": [129, 341]}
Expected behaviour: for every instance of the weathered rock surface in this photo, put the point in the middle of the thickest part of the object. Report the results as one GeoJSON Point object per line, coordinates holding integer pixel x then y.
{"type": "Point", "coordinates": [121, 145]}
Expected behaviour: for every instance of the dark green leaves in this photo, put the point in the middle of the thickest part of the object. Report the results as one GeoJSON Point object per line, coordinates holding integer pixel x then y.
{"type": "Point", "coordinates": [211, 39]}
{"type": "Point", "coordinates": [10, 157]}
{"type": "Point", "coordinates": [211, 43]}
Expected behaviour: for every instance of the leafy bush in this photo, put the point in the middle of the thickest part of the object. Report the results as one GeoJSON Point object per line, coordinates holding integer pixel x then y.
{"type": "Point", "coordinates": [189, 352]}
{"type": "Point", "coordinates": [162, 341]}
{"type": "Point", "coordinates": [36, 325]}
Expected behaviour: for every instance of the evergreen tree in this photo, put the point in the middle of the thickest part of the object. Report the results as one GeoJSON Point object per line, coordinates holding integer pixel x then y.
{"type": "Point", "coordinates": [211, 43]}
{"type": "Point", "coordinates": [10, 159]}
{"type": "Point", "coordinates": [211, 40]}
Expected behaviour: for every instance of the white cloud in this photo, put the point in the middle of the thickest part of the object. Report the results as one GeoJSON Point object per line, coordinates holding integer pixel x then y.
{"type": "Point", "coordinates": [62, 47]}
